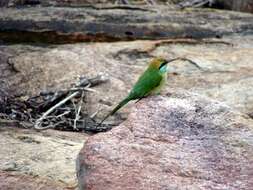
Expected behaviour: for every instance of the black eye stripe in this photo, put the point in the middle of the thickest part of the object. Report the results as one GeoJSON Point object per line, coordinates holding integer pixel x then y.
{"type": "Point", "coordinates": [164, 63]}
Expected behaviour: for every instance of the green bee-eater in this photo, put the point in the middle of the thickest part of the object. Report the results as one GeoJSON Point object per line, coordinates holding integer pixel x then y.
{"type": "Point", "coordinates": [149, 83]}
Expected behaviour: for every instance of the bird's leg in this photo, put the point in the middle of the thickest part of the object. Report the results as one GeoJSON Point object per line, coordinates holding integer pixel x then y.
{"type": "Point", "coordinates": [140, 99]}
{"type": "Point", "coordinates": [145, 96]}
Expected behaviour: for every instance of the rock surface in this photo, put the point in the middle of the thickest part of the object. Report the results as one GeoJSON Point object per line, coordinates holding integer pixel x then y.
{"type": "Point", "coordinates": [113, 23]}
{"type": "Point", "coordinates": [10, 181]}
{"type": "Point", "coordinates": [184, 141]}
{"type": "Point", "coordinates": [226, 76]}
{"type": "Point", "coordinates": [43, 159]}
{"type": "Point", "coordinates": [235, 5]}
{"type": "Point", "coordinates": [13, 3]}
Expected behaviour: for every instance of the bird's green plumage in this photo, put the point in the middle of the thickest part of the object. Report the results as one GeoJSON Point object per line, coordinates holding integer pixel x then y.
{"type": "Point", "coordinates": [145, 84]}
{"type": "Point", "coordinates": [150, 82]}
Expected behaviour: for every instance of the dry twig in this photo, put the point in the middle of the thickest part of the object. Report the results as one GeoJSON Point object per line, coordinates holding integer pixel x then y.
{"type": "Point", "coordinates": [54, 109]}
{"type": "Point", "coordinates": [195, 3]}
{"type": "Point", "coordinates": [38, 122]}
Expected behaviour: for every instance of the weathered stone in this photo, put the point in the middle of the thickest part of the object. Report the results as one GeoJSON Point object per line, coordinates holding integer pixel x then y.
{"type": "Point", "coordinates": [180, 142]}
{"type": "Point", "coordinates": [10, 181]}
{"type": "Point", "coordinates": [15, 3]}
{"type": "Point", "coordinates": [110, 23]}
{"type": "Point", "coordinates": [226, 76]}
{"type": "Point", "coordinates": [45, 159]}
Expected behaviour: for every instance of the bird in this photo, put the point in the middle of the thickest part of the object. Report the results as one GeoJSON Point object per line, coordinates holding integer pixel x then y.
{"type": "Point", "coordinates": [150, 82]}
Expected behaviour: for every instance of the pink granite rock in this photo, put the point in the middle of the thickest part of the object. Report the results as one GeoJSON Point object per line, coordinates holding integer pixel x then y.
{"type": "Point", "coordinates": [184, 141]}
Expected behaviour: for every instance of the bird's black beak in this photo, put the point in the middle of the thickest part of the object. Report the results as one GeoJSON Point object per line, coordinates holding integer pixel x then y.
{"type": "Point", "coordinates": [184, 59]}
{"type": "Point", "coordinates": [165, 62]}
{"type": "Point", "coordinates": [171, 60]}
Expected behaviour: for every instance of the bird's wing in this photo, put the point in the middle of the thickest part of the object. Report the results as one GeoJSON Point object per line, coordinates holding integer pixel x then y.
{"type": "Point", "coordinates": [145, 84]}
